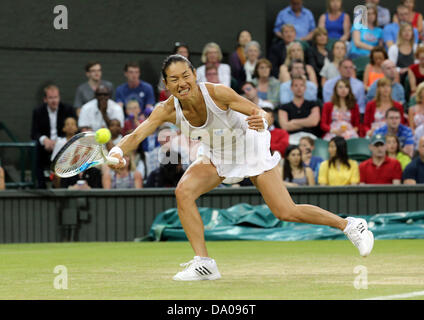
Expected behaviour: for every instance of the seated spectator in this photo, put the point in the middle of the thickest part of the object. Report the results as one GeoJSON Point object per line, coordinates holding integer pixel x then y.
{"type": "Point", "coordinates": [135, 89]}
{"type": "Point", "coordinates": [330, 69]}
{"type": "Point", "coordinates": [389, 71]}
{"type": "Point", "coordinates": [2, 179]}
{"type": "Point", "coordinates": [278, 51]}
{"type": "Point", "coordinates": [237, 58]}
{"type": "Point", "coordinates": [47, 123]}
{"type": "Point", "coordinates": [134, 117]}
{"type": "Point", "coordinates": [115, 129]}
{"type": "Point", "coordinates": [212, 54]}
{"type": "Point", "coordinates": [414, 171]}
{"type": "Point", "coordinates": [339, 170]}
{"type": "Point", "coordinates": [253, 51]}
{"type": "Point", "coordinates": [297, 69]}
{"type": "Point", "coordinates": [416, 71]}
{"type": "Point", "coordinates": [268, 86]}
{"type": "Point", "coordinates": [393, 126]}
{"type": "Point", "coordinates": [375, 112]}
{"type": "Point", "coordinates": [341, 117]}
{"type": "Point", "coordinates": [383, 15]}
{"type": "Point", "coordinates": [373, 70]}
{"type": "Point", "coordinates": [402, 53]}
{"type": "Point", "coordinates": [335, 21]}
{"type": "Point", "coordinates": [416, 112]}
{"type": "Point", "coordinates": [251, 93]}
{"type": "Point", "coordinates": [346, 69]}
{"type": "Point", "coordinates": [393, 150]}
{"type": "Point", "coordinates": [167, 175]}
{"type": "Point", "coordinates": [307, 146]}
{"type": "Point", "coordinates": [319, 51]}
{"type": "Point", "coordinates": [365, 39]}
{"type": "Point", "coordinates": [279, 137]}
{"type": "Point", "coordinates": [414, 18]}
{"type": "Point", "coordinates": [70, 128]}
{"type": "Point", "coordinates": [126, 178]}
{"type": "Point", "coordinates": [391, 31]}
{"type": "Point", "coordinates": [85, 91]}
{"type": "Point", "coordinates": [419, 132]}
{"type": "Point", "coordinates": [380, 169]}
{"type": "Point", "coordinates": [211, 73]}
{"type": "Point", "coordinates": [295, 173]}
{"type": "Point", "coordinates": [98, 112]}
{"type": "Point", "coordinates": [297, 15]}
{"type": "Point", "coordinates": [295, 52]}
{"type": "Point", "coordinates": [179, 48]}
{"type": "Point", "coordinates": [299, 116]}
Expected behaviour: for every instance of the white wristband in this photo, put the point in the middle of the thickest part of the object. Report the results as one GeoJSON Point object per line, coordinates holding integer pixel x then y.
{"type": "Point", "coordinates": [116, 150]}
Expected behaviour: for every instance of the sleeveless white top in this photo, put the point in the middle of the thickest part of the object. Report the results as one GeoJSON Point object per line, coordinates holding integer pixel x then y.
{"type": "Point", "coordinates": [236, 151]}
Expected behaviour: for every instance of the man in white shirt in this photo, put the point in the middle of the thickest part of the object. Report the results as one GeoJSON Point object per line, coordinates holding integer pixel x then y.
{"type": "Point", "coordinates": [98, 112]}
{"type": "Point", "coordinates": [47, 123]}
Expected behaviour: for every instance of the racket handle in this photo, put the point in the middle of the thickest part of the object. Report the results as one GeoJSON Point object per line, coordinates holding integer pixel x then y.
{"type": "Point", "coordinates": [113, 160]}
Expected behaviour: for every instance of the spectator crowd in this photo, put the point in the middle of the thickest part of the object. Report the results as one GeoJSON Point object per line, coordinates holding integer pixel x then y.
{"type": "Point", "coordinates": [330, 81]}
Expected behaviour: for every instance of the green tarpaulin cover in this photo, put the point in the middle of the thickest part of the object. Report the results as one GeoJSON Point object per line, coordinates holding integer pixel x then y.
{"type": "Point", "coordinates": [246, 222]}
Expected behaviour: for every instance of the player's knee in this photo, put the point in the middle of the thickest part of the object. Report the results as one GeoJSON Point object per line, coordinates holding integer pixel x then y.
{"type": "Point", "coordinates": [287, 213]}
{"type": "Point", "coordinates": [183, 193]}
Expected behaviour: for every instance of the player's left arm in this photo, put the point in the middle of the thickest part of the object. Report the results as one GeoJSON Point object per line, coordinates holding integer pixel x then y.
{"type": "Point", "coordinates": [228, 98]}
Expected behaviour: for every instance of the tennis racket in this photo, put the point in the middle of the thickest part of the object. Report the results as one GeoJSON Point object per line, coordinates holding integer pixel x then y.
{"type": "Point", "coordinates": [80, 153]}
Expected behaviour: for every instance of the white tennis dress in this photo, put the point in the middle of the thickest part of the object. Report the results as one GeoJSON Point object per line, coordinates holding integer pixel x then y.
{"type": "Point", "coordinates": [236, 151]}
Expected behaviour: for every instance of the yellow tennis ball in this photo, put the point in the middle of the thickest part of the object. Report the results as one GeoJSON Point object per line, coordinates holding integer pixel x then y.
{"type": "Point", "coordinates": [103, 135]}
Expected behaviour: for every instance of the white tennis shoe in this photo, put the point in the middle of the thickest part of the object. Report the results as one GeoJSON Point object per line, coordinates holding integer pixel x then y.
{"type": "Point", "coordinates": [358, 233]}
{"type": "Point", "coordinates": [198, 269]}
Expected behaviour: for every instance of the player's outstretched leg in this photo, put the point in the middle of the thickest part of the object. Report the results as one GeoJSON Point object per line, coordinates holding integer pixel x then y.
{"type": "Point", "coordinates": [282, 206]}
{"type": "Point", "coordinates": [199, 178]}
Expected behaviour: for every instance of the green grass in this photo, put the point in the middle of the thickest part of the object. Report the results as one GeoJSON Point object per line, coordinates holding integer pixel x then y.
{"type": "Point", "coordinates": [250, 270]}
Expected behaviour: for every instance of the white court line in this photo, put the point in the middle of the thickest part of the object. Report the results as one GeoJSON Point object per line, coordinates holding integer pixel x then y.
{"type": "Point", "coordinates": [399, 296]}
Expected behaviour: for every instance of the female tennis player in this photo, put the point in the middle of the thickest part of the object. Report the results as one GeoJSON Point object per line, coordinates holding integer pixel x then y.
{"type": "Point", "coordinates": [215, 112]}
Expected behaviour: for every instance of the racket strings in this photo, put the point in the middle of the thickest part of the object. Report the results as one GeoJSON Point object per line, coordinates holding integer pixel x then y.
{"type": "Point", "coordinates": [82, 151]}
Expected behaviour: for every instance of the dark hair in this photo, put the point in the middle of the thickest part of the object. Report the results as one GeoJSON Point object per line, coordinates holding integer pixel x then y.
{"type": "Point", "coordinates": [350, 100]}
{"type": "Point", "coordinates": [239, 33]}
{"type": "Point", "coordinates": [286, 166]}
{"type": "Point", "coordinates": [90, 64]}
{"type": "Point", "coordinates": [290, 68]}
{"type": "Point", "coordinates": [393, 109]}
{"type": "Point", "coordinates": [344, 60]}
{"type": "Point", "coordinates": [178, 45]}
{"type": "Point", "coordinates": [174, 58]}
{"type": "Point", "coordinates": [378, 49]}
{"type": "Point", "coordinates": [132, 64]}
{"type": "Point", "coordinates": [267, 109]}
{"type": "Point", "coordinates": [398, 149]}
{"type": "Point", "coordinates": [248, 82]}
{"type": "Point", "coordinates": [258, 63]}
{"type": "Point", "coordinates": [341, 152]}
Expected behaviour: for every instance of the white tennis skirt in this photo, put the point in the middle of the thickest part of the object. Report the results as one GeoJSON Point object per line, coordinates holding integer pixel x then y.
{"type": "Point", "coordinates": [247, 157]}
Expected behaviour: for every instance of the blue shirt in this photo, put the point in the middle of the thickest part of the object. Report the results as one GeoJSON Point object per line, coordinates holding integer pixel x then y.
{"type": "Point", "coordinates": [304, 23]}
{"type": "Point", "coordinates": [414, 170]}
{"type": "Point", "coordinates": [286, 94]}
{"type": "Point", "coordinates": [404, 134]}
{"type": "Point", "coordinates": [357, 89]}
{"type": "Point", "coordinates": [371, 37]}
{"type": "Point", "coordinates": [314, 164]}
{"type": "Point", "coordinates": [390, 33]}
{"type": "Point", "coordinates": [143, 93]}
{"type": "Point", "coordinates": [398, 93]}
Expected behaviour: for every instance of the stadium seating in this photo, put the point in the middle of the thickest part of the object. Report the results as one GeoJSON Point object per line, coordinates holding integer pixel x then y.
{"type": "Point", "coordinates": [357, 149]}
{"type": "Point", "coordinates": [360, 64]}
{"type": "Point", "coordinates": [321, 149]}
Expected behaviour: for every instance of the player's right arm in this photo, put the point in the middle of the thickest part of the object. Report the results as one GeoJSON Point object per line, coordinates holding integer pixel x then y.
{"type": "Point", "coordinates": [164, 112]}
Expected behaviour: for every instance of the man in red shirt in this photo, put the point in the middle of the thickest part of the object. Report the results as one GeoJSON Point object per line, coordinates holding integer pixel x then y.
{"type": "Point", "coordinates": [279, 137]}
{"type": "Point", "coordinates": [380, 169]}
